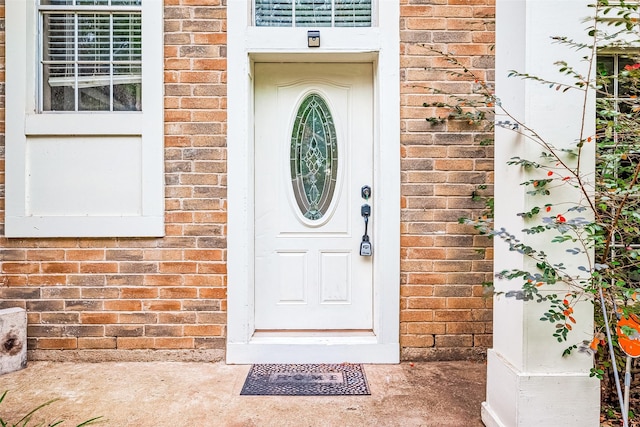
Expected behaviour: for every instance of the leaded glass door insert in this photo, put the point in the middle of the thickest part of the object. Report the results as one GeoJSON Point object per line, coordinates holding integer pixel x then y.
{"type": "Point", "coordinates": [314, 157]}
{"type": "Point", "coordinates": [313, 153]}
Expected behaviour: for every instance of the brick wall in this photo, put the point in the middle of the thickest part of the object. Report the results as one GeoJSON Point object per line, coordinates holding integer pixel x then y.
{"type": "Point", "coordinates": [443, 264]}
{"type": "Point", "coordinates": [168, 296]}
{"type": "Point", "coordinates": [150, 294]}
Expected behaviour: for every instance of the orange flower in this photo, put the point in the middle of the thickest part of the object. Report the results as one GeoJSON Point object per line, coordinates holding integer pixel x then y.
{"type": "Point", "coordinates": [560, 218]}
{"type": "Point", "coordinates": [549, 173]}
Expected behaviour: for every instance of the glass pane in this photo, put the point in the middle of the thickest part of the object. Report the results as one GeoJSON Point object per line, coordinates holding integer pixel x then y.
{"type": "Point", "coordinates": [313, 13]}
{"type": "Point", "coordinates": [127, 89]}
{"type": "Point", "coordinates": [126, 2]}
{"type": "Point", "coordinates": [58, 73]}
{"type": "Point", "coordinates": [91, 61]}
{"type": "Point", "coordinates": [56, 2]}
{"type": "Point", "coordinates": [127, 38]}
{"type": "Point", "coordinates": [352, 13]}
{"type": "Point", "coordinates": [605, 76]}
{"type": "Point", "coordinates": [61, 98]}
{"type": "Point", "coordinates": [273, 13]}
{"type": "Point", "coordinates": [627, 85]}
{"type": "Point", "coordinates": [92, 2]}
{"type": "Point", "coordinates": [314, 157]}
{"type": "Point", "coordinates": [94, 87]}
{"type": "Point", "coordinates": [59, 37]}
{"type": "Point", "coordinates": [94, 38]}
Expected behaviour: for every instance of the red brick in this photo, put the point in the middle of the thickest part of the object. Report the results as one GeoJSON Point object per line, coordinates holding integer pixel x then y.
{"type": "Point", "coordinates": [123, 305]}
{"type": "Point", "coordinates": [426, 328]}
{"type": "Point", "coordinates": [131, 343]}
{"type": "Point", "coordinates": [68, 343]}
{"type": "Point", "coordinates": [135, 318]}
{"type": "Point", "coordinates": [161, 305]}
{"type": "Point", "coordinates": [203, 330]}
{"type": "Point", "coordinates": [213, 293]}
{"type": "Point", "coordinates": [454, 341]}
{"type": "Point", "coordinates": [97, 343]}
{"type": "Point", "coordinates": [59, 267]}
{"type": "Point", "coordinates": [163, 280]}
{"type": "Point", "coordinates": [178, 267]}
{"type": "Point", "coordinates": [453, 302]}
{"type": "Point", "coordinates": [84, 255]}
{"type": "Point", "coordinates": [98, 318]}
{"type": "Point", "coordinates": [416, 316]}
{"type": "Point", "coordinates": [20, 268]}
{"type": "Point", "coordinates": [175, 343]}
{"type": "Point", "coordinates": [99, 267]}
{"type": "Point", "coordinates": [163, 330]}
{"type": "Point", "coordinates": [134, 293]}
{"type": "Point", "coordinates": [178, 293]}
{"type": "Point", "coordinates": [421, 341]}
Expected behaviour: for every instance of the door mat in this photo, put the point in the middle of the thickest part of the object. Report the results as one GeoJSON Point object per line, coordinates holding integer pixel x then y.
{"type": "Point", "coordinates": [306, 380]}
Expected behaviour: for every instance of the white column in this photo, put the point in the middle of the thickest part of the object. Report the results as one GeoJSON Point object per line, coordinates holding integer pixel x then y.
{"type": "Point", "coordinates": [529, 383]}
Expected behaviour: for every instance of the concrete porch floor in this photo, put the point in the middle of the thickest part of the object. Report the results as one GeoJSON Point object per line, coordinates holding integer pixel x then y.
{"type": "Point", "coordinates": [208, 394]}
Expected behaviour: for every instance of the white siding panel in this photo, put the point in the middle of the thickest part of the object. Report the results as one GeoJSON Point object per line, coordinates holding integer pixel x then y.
{"type": "Point", "coordinates": [84, 176]}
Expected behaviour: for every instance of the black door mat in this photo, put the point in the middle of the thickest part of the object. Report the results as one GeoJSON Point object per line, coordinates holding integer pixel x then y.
{"type": "Point", "coordinates": [306, 380]}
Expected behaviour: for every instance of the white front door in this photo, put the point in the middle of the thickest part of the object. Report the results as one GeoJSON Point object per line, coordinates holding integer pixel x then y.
{"type": "Point", "coordinates": [313, 154]}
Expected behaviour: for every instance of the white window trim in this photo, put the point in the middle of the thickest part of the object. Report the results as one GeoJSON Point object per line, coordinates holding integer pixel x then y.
{"type": "Point", "coordinates": [380, 46]}
{"type": "Point", "coordinates": [23, 121]}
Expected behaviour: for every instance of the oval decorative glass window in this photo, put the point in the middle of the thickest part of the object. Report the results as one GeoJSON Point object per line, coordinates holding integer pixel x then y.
{"type": "Point", "coordinates": [314, 157]}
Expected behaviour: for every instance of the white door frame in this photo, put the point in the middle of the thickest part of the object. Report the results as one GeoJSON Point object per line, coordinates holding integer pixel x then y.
{"type": "Point", "coordinates": [379, 46]}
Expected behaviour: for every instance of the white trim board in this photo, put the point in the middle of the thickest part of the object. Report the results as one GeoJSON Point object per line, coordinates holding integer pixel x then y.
{"type": "Point", "coordinates": [379, 46]}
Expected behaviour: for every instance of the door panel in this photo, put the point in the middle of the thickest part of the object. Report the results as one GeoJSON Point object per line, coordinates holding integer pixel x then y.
{"type": "Point", "coordinates": [311, 119]}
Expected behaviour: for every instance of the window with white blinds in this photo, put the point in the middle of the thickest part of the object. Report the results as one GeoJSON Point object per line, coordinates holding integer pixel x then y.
{"type": "Point", "coordinates": [90, 55]}
{"type": "Point", "coordinates": [312, 13]}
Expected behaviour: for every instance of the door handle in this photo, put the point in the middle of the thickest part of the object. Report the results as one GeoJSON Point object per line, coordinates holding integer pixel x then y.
{"type": "Point", "coordinates": [366, 249]}
{"type": "Point", "coordinates": [365, 192]}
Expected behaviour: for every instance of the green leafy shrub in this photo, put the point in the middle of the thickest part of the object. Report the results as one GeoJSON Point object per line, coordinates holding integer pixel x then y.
{"type": "Point", "coordinates": [599, 219]}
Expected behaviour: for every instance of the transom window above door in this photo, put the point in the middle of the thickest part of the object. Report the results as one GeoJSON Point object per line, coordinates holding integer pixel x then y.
{"type": "Point", "coordinates": [90, 55]}
{"type": "Point", "coordinates": [312, 13]}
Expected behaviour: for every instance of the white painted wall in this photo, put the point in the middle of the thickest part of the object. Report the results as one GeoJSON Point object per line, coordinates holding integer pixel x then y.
{"type": "Point", "coordinates": [529, 383]}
